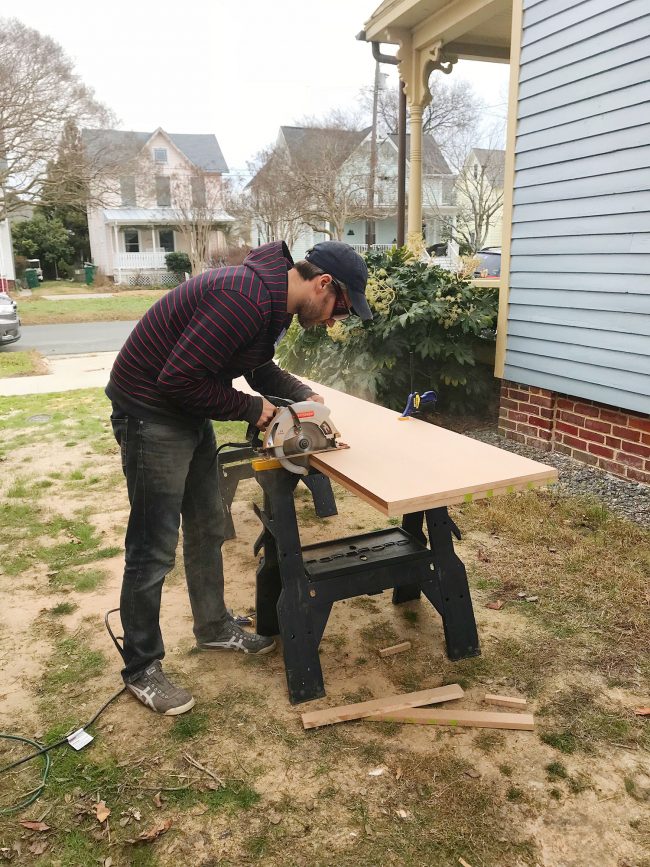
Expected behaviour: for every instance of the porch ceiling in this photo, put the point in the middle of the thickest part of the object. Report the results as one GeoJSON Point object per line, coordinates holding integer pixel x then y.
{"type": "Point", "coordinates": [470, 29]}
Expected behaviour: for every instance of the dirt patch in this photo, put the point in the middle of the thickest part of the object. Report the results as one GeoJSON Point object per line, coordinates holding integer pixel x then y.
{"type": "Point", "coordinates": [290, 796]}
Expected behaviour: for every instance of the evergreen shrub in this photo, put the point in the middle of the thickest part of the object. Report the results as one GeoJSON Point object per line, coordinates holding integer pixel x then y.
{"type": "Point", "coordinates": [442, 319]}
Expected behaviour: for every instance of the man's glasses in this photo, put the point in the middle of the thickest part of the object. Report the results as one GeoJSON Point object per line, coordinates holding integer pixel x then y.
{"type": "Point", "coordinates": [341, 309]}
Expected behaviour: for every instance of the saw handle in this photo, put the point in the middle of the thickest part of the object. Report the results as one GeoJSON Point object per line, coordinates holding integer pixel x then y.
{"type": "Point", "coordinates": [253, 432]}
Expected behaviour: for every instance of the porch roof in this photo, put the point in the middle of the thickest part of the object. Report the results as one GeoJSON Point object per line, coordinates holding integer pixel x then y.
{"type": "Point", "coordinates": [469, 29]}
{"type": "Point", "coordinates": [149, 216]}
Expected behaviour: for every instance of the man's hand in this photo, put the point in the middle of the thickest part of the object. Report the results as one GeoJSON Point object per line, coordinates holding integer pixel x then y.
{"type": "Point", "coordinates": [268, 411]}
{"type": "Point", "coordinates": [316, 397]}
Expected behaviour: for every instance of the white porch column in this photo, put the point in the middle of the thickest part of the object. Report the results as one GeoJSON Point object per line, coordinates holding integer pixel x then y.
{"type": "Point", "coordinates": [116, 253]}
{"type": "Point", "coordinates": [153, 239]}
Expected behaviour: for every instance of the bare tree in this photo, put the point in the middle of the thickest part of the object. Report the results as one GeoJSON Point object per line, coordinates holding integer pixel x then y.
{"type": "Point", "coordinates": [267, 202]}
{"type": "Point", "coordinates": [454, 108]}
{"type": "Point", "coordinates": [39, 95]}
{"type": "Point", "coordinates": [328, 178]}
{"type": "Point", "coordinates": [316, 177]}
{"type": "Point", "coordinates": [197, 203]}
{"type": "Point", "coordinates": [478, 187]}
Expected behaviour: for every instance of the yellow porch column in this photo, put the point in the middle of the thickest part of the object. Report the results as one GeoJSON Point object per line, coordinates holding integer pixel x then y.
{"type": "Point", "coordinates": [415, 67]}
{"type": "Point", "coordinates": [414, 225]}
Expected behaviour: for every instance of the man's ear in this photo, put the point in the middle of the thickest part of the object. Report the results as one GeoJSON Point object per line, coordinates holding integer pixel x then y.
{"type": "Point", "coordinates": [321, 283]}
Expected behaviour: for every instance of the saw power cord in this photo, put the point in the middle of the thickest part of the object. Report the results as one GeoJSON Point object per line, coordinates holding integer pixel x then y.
{"type": "Point", "coordinates": [43, 750]}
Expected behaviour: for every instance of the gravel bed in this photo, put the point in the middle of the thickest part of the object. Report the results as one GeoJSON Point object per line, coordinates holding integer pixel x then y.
{"type": "Point", "coordinates": [627, 499]}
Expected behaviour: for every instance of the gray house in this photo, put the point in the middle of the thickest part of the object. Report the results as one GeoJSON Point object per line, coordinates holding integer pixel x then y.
{"type": "Point", "coordinates": [573, 345]}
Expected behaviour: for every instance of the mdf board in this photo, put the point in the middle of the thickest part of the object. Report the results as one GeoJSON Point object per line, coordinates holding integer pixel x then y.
{"type": "Point", "coordinates": [402, 466]}
{"type": "Point", "coordinates": [410, 466]}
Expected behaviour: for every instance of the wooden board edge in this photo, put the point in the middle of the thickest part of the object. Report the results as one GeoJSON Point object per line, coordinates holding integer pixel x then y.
{"type": "Point", "coordinates": [346, 713]}
{"type": "Point", "coordinates": [457, 498]}
{"type": "Point", "coordinates": [395, 648]}
{"type": "Point", "coordinates": [505, 700]}
{"type": "Point", "coordinates": [357, 490]}
{"type": "Point", "coordinates": [477, 719]}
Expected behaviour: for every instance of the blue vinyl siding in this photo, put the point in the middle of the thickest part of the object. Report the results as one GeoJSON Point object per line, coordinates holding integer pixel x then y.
{"type": "Point", "coordinates": [579, 301]}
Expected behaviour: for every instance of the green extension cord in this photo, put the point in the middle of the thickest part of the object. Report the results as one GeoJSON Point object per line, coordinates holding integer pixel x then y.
{"type": "Point", "coordinates": [35, 793]}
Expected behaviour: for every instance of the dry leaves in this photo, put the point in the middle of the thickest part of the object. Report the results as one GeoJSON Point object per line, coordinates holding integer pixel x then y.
{"type": "Point", "coordinates": [496, 606]}
{"type": "Point", "coordinates": [101, 811]}
{"type": "Point", "coordinates": [154, 832]}
{"type": "Point", "coordinates": [35, 826]}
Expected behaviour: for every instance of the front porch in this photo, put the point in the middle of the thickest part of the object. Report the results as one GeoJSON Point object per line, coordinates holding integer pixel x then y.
{"type": "Point", "coordinates": [137, 241]}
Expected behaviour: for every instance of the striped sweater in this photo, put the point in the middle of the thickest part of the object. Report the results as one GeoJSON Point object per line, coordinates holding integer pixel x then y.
{"type": "Point", "coordinates": [178, 363]}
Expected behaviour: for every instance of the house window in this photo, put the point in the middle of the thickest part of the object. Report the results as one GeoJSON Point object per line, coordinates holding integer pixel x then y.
{"type": "Point", "coordinates": [131, 241]}
{"type": "Point", "coordinates": [160, 155]}
{"type": "Point", "coordinates": [166, 240]}
{"type": "Point", "coordinates": [198, 192]}
{"type": "Point", "coordinates": [127, 191]}
{"type": "Point", "coordinates": [163, 191]}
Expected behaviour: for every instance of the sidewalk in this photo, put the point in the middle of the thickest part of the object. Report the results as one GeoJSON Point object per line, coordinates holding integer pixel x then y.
{"type": "Point", "coordinates": [67, 373]}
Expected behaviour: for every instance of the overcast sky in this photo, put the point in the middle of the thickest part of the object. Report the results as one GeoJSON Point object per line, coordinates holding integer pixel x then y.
{"type": "Point", "coordinates": [235, 68]}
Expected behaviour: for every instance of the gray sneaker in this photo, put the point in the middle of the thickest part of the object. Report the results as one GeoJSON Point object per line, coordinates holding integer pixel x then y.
{"type": "Point", "coordinates": [155, 691]}
{"type": "Point", "coordinates": [233, 637]}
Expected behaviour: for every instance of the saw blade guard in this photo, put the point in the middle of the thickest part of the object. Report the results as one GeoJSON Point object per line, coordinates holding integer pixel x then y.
{"type": "Point", "coordinates": [297, 431]}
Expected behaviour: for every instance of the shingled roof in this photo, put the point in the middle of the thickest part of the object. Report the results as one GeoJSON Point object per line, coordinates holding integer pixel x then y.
{"type": "Point", "coordinates": [201, 150]}
{"type": "Point", "coordinates": [433, 162]}
{"type": "Point", "coordinates": [305, 142]}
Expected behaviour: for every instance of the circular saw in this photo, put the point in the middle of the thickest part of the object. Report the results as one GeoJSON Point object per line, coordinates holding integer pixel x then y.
{"type": "Point", "coordinates": [297, 431]}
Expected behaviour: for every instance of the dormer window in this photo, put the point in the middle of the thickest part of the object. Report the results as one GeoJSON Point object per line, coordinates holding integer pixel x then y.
{"type": "Point", "coordinates": [160, 155]}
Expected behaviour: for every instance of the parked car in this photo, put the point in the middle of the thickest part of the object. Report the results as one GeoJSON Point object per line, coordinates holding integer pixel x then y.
{"type": "Point", "coordinates": [489, 262]}
{"type": "Point", "coordinates": [9, 320]}
{"type": "Point", "coordinates": [36, 265]}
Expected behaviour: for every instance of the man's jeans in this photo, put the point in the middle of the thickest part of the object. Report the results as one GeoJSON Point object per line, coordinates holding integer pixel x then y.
{"type": "Point", "coordinates": [170, 471]}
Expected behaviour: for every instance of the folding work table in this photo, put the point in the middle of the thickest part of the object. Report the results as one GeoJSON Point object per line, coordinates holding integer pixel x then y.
{"type": "Point", "coordinates": [404, 468]}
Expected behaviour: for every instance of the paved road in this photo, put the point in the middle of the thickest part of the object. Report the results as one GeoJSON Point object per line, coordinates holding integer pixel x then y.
{"type": "Point", "coordinates": [73, 338]}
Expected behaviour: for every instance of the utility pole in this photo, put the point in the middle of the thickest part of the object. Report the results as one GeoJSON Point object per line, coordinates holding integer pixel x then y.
{"type": "Point", "coordinates": [370, 222]}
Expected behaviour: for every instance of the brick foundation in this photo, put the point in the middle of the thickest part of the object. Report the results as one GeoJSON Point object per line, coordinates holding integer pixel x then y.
{"type": "Point", "coordinates": [615, 440]}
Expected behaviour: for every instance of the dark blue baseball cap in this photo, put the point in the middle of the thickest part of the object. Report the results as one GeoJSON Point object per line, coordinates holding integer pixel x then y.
{"type": "Point", "coordinates": [346, 265]}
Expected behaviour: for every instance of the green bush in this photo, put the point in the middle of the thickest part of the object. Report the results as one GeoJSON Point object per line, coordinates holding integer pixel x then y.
{"type": "Point", "coordinates": [439, 317]}
{"type": "Point", "coordinates": [178, 263]}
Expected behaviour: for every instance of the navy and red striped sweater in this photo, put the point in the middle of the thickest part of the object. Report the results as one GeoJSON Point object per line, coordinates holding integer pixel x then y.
{"type": "Point", "coordinates": [178, 363]}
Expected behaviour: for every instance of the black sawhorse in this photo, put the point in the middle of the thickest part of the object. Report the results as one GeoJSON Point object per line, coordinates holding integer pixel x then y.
{"type": "Point", "coordinates": [235, 465]}
{"type": "Point", "coordinates": [296, 586]}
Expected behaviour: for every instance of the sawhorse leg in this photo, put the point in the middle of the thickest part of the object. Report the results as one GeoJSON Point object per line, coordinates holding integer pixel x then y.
{"type": "Point", "coordinates": [283, 569]}
{"type": "Point", "coordinates": [449, 592]}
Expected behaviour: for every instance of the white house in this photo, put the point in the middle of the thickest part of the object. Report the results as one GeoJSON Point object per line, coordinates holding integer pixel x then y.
{"type": "Point", "coordinates": [349, 152]}
{"type": "Point", "coordinates": [157, 192]}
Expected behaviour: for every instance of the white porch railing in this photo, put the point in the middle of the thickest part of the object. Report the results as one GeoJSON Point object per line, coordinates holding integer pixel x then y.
{"type": "Point", "coordinates": [140, 261]}
{"type": "Point", "coordinates": [362, 248]}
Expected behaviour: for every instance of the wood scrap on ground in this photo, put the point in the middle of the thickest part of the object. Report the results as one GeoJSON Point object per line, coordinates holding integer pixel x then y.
{"type": "Point", "coordinates": [343, 713]}
{"type": "Point", "coordinates": [396, 648]}
{"type": "Point", "coordinates": [505, 700]}
{"type": "Point", "coordinates": [642, 711]}
{"type": "Point", "coordinates": [477, 718]}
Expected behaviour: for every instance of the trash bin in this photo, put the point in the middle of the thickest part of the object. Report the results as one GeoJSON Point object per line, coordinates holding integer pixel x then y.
{"type": "Point", "coordinates": [90, 273]}
{"type": "Point", "coordinates": [31, 276]}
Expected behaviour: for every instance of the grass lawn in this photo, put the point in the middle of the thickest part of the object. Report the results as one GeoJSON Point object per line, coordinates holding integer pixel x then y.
{"type": "Point", "coordinates": [237, 781]}
{"type": "Point", "coordinates": [125, 306]}
{"type": "Point", "coordinates": [21, 363]}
